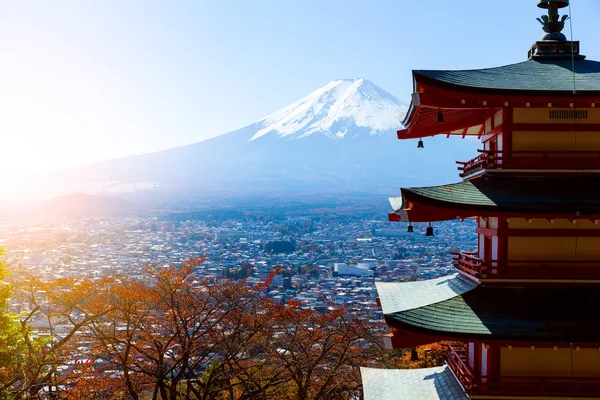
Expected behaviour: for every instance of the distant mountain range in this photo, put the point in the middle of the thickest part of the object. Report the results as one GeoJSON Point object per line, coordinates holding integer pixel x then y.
{"type": "Point", "coordinates": [339, 139]}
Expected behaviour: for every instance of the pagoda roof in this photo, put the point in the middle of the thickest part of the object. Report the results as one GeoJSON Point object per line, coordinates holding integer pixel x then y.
{"type": "Point", "coordinates": [494, 194]}
{"type": "Point", "coordinates": [538, 313]}
{"type": "Point", "coordinates": [421, 293]}
{"type": "Point", "coordinates": [531, 76]}
{"type": "Point", "coordinates": [436, 383]}
{"type": "Point", "coordinates": [459, 102]}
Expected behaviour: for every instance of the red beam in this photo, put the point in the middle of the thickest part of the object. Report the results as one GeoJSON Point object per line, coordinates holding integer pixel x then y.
{"type": "Point", "coordinates": [430, 95]}
{"type": "Point", "coordinates": [423, 122]}
{"type": "Point", "coordinates": [554, 127]}
{"type": "Point", "coordinates": [554, 232]}
{"type": "Point", "coordinates": [587, 387]}
{"type": "Point", "coordinates": [439, 99]}
{"type": "Point", "coordinates": [507, 134]}
{"type": "Point", "coordinates": [421, 212]}
{"type": "Point", "coordinates": [403, 339]}
{"type": "Point", "coordinates": [487, 231]}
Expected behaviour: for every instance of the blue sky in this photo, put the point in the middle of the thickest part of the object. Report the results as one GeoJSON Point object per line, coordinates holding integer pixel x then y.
{"type": "Point", "coordinates": [82, 81]}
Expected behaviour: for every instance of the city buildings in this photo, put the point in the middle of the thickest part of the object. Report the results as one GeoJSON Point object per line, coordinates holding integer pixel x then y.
{"type": "Point", "coordinates": [95, 247]}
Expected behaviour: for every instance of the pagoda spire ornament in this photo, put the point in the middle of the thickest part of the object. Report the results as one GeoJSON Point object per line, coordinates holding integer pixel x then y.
{"type": "Point", "coordinates": [551, 24]}
{"type": "Point", "coordinates": [553, 45]}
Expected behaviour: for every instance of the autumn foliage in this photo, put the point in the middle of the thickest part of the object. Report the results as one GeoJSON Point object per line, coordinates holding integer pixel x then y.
{"type": "Point", "coordinates": [431, 355]}
{"type": "Point", "coordinates": [164, 335]}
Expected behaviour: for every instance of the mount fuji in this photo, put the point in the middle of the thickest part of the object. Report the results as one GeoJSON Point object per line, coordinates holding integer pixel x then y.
{"type": "Point", "coordinates": [339, 139]}
{"type": "Point", "coordinates": [354, 106]}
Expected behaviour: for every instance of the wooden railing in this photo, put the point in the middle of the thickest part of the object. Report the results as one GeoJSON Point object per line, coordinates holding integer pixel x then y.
{"type": "Point", "coordinates": [469, 263]}
{"type": "Point", "coordinates": [477, 164]}
{"type": "Point", "coordinates": [457, 361]}
{"type": "Point", "coordinates": [516, 385]}
{"type": "Point", "coordinates": [550, 269]}
{"type": "Point", "coordinates": [536, 386]}
{"type": "Point", "coordinates": [544, 160]}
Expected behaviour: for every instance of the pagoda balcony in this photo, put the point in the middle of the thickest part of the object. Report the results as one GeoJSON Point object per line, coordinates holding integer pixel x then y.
{"type": "Point", "coordinates": [535, 386]}
{"type": "Point", "coordinates": [529, 160]}
{"type": "Point", "coordinates": [478, 269]}
{"type": "Point", "coordinates": [457, 361]}
{"type": "Point", "coordinates": [516, 385]}
{"type": "Point", "coordinates": [547, 269]}
{"type": "Point", "coordinates": [470, 264]}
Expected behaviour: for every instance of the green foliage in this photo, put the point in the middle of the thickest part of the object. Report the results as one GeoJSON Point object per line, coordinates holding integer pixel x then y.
{"type": "Point", "coordinates": [13, 336]}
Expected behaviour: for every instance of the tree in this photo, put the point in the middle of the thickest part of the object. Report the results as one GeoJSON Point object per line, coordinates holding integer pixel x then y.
{"type": "Point", "coordinates": [163, 332]}
{"type": "Point", "coordinates": [432, 355]}
{"type": "Point", "coordinates": [318, 353]}
{"type": "Point", "coordinates": [65, 305]}
{"type": "Point", "coordinates": [163, 335]}
{"type": "Point", "coordinates": [13, 353]}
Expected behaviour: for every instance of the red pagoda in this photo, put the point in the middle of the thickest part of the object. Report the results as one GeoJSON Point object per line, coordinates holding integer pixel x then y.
{"type": "Point", "coordinates": [522, 314]}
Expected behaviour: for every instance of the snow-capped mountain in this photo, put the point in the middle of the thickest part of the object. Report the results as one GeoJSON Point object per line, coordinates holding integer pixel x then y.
{"type": "Point", "coordinates": [334, 110]}
{"type": "Point", "coordinates": [340, 138]}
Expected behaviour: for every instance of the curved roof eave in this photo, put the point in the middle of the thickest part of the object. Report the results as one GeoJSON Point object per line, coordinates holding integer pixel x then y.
{"type": "Point", "coordinates": [564, 195]}
{"type": "Point", "coordinates": [543, 314]}
{"type": "Point", "coordinates": [408, 116]}
{"type": "Point", "coordinates": [532, 76]}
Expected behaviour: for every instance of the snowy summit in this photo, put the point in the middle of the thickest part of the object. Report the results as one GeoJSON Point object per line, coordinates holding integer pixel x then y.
{"type": "Point", "coordinates": [336, 109]}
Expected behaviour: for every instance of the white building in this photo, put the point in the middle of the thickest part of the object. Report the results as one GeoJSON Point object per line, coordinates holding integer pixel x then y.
{"type": "Point", "coordinates": [362, 269]}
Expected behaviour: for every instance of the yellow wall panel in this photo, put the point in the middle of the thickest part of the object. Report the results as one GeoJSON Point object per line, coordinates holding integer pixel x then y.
{"type": "Point", "coordinates": [586, 362]}
{"type": "Point", "coordinates": [587, 224]}
{"type": "Point", "coordinates": [548, 141]}
{"type": "Point", "coordinates": [540, 223]}
{"type": "Point", "coordinates": [588, 248]}
{"type": "Point", "coordinates": [555, 141]}
{"type": "Point", "coordinates": [588, 141]}
{"type": "Point", "coordinates": [530, 115]}
{"type": "Point", "coordinates": [553, 248]}
{"type": "Point", "coordinates": [538, 362]}
{"type": "Point", "coordinates": [541, 248]}
{"type": "Point", "coordinates": [549, 362]}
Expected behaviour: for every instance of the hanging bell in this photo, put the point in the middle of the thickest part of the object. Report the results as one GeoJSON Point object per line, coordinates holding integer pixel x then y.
{"type": "Point", "coordinates": [440, 117]}
{"type": "Point", "coordinates": [414, 356]}
{"type": "Point", "coordinates": [420, 145]}
{"type": "Point", "coordinates": [548, 3]}
{"type": "Point", "coordinates": [429, 231]}
{"type": "Point", "coordinates": [411, 229]}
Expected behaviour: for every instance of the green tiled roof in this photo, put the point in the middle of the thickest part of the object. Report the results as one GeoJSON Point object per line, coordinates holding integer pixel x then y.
{"type": "Point", "coordinates": [532, 313]}
{"type": "Point", "coordinates": [515, 194]}
{"type": "Point", "coordinates": [532, 75]}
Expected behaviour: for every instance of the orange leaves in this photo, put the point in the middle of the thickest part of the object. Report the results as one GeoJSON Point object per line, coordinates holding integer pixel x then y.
{"type": "Point", "coordinates": [92, 384]}
{"type": "Point", "coordinates": [431, 355]}
{"type": "Point", "coordinates": [167, 334]}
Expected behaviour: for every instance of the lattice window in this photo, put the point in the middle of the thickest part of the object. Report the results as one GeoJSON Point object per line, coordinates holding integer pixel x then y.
{"type": "Point", "coordinates": [569, 114]}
